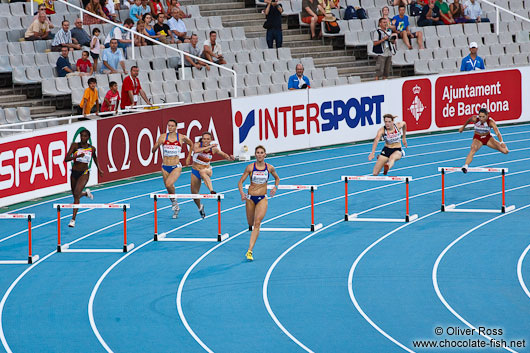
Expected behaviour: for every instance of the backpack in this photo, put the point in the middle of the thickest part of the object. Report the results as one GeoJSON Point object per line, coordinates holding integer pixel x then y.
{"type": "Point", "coordinates": [350, 13]}
{"type": "Point", "coordinates": [361, 13]}
{"type": "Point", "coordinates": [332, 27]}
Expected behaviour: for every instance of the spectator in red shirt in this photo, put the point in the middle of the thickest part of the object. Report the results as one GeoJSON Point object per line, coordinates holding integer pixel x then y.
{"type": "Point", "coordinates": [112, 99]}
{"type": "Point", "coordinates": [84, 65]}
{"type": "Point", "coordinates": [131, 89]}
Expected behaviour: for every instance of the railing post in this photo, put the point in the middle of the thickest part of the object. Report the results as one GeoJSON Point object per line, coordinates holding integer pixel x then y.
{"type": "Point", "coordinates": [132, 47]}
{"type": "Point", "coordinates": [235, 84]}
{"type": "Point", "coordinates": [182, 66]}
{"type": "Point", "coordinates": [497, 20]}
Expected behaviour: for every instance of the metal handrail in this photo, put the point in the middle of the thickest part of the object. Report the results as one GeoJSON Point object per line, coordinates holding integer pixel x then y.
{"type": "Point", "coordinates": [134, 33]}
{"type": "Point", "coordinates": [497, 17]}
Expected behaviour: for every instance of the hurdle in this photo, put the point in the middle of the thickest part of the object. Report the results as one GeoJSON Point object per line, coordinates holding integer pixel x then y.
{"type": "Point", "coordinates": [113, 206]}
{"type": "Point", "coordinates": [313, 227]}
{"type": "Point", "coordinates": [163, 236]}
{"type": "Point", "coordinates": [31, 258]}
{"type": "Point", "coordinates": [452, 207]}
{"type": "Point", "coordinates": [354, 216]}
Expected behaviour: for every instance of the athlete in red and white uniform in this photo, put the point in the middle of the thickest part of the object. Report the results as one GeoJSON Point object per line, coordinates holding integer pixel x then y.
{"type": "Point", "coordinates": [392, 135]}
{"type": "Point", "coordinates": [82, 153]}
{"type": "Point", "coordinates": [482, 125]}
{"type": "Point", "coordinates": [171, 166]}
{"type": "Point", "coordinates": [203, 152]}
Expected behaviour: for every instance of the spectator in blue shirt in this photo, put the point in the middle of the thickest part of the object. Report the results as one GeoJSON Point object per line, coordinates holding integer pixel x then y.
{"type": "Point", "coordinates": [135, 12]}
{"type": "Point", "coordinates": [401, 24]}
{"type": "Point", "coordinates": [63, 64]}
{"type": "Point", "coordinates": [298, 80]}
{"type": "Point", "coordinates": [472, 62]}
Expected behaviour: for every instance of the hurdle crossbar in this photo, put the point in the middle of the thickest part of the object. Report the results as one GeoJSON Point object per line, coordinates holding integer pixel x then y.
{"type": "Point", "coordinates": [313, 227]}
{"type": "Point", "coordinates": [31, 258]}
{"type": "Point", "coordinates": [66, 247]}
{"type": "Point", "coordinates": [354, 216]}
{"type": "Point", "coordinates": [452, 207]}
{"type": "Point", "coordinates": [163, 236]}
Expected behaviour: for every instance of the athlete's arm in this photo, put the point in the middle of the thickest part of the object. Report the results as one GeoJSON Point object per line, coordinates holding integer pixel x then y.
{"type": "Point", "coordinates": [496, 129]}
{"type": "Point", "coordinates": [198, 149]}
{"type": "Point", "coordinates": [471, 118]}
{"type": "Point", "coordinates": [376, 141]}
{"type": "Point", "coordinates": [403, 127]}
{"type": "Point", "coordinates": [158, 143]}
{"type": "Point", "coordinates": [189, 142]}
{"type": "Point", "coordinates": [246, 173]}
{"type": "Point", "coordinates": [70, 155]}
{"type": "Point", "coordinates": [226, 156]}
{"type": "Point", "coordinates": [272, 170]}
{"type": "Point", "coordinates": [95, 158]}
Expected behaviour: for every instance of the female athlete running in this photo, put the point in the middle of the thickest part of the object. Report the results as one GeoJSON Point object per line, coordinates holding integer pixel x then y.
{"type": "Point", "coordinates": [256, 199]}
{"type": "Point", "coordinates": [171, 166]}
{"type": "Point", "coordinates": [81, 153]}
{"type": "Point", "coordinates": [392, 151]}
{"type": "Point", "coordinates": [201, 169]}
{"type": "Point", "coordinates": [483, 125]}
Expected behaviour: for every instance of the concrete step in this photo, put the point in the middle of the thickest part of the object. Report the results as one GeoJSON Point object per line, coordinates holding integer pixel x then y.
{"type": "Point", "coordinates": [302, 43]}
{"type": "Point", "coordinates": [10, 98]}
{"type": "Point", "coordinates": [286, 33]}
{"type": "Point", "coordinates": [200, 2]}
{"type": "Point", "coordinates": [257, 24]}
{"type": "Point", "coordinates": [227, 12]}
{"type": "Point", "coordinates": [255, 28]}
{"type": "Point", "coordinates": [229, 6]}
{"type": "Point", "coordinates": [334, 60]}
{"type": "Point", "coordinates": [312, 49]}
{"type": "Point", "coordinates": [317, 53]}
{"type": "Point", "coordinates": [43, 110]}
{"type": "Point", "coordinates": [56, 113]}
{"type": "Point", "coordinates": [22, 103]}
{"type": "Point", "coordinates": [243, 17]}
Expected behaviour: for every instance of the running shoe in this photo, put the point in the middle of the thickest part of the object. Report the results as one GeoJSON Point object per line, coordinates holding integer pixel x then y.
{"type": "Point", "coordinates": [213, 192]}
{"type": "Point", "coordinates": [201, 211]}
{"type": "Point", "coordinates": [385, 169]}
{"type": "Point", "coordinates": [72, 223]}
{"type": "Point", "coordinates": [89, 194]}
{"type": "Point", "coordinates": [249, 256]}
{"type": "Point", "coordinates": [175, 209]}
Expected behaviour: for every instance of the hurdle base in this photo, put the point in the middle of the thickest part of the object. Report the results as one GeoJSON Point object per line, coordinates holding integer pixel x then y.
{"type": "Point", "coordinates": [163, 237]}
{"type": "Point", "coordinates": [128, 247]}
{"type": "Point", "coordinates": [452, 208]}
{"type": "Point", "coordinates": [354, 218]}
{"type": "Point", "coordinates": [310, 229]}
{"type": "Point", "coordinates": [30, 260]}
{"type": "Point", "coordinates": [66, 249]}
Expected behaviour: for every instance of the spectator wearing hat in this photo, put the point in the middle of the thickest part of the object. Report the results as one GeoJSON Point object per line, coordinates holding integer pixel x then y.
{"type": "Point", "coordinates": [298, 80]}
{"type": "Point", "coordinates": [472, 62]}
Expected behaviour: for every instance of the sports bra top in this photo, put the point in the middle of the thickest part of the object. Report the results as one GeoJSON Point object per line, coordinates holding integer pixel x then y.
{"type": "Point", "coordinates": [171, 149]}
{"type": "Point", "coordinates": [259, 176]}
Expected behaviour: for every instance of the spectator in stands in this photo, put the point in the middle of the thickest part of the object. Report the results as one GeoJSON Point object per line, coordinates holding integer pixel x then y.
{"type": "Point", "coordinates": [111, 102]}
{"type": "Point", "coordinates": [430, 15]}
{"type": "Point", "coordinates": [274, 11]}
{"type": "Point", "coordinates": [42, 8]}
{"type": "Point", "coordinates": [383, 40]}
{"type": "Point", "coordinates": [110, 10]}
{"type": "Point", "coordinates": [400, 2]}
{"type": "Point", "coordinates": [385, 13]}
{"type": "Point", "coordinates": [131, 89]}
{"type": "Point", "coordinates": [177, 26]}
{"type": "Point", "coordinates": [212, 50]}
{"type": "Point", "coordinates": [298, 80]}
{"type": "Point", "coordinates": [48, 4]}
{"type": "Point", "coordinates": [162, 30]}
{"type": "Point", "coordinates": [473, 12]}
{"type": "Point", "coordinates": [95, 47]}
{"type": "Point", "coordinates": [457, 11]}
{"type": "Point", "coordinates": [112, 57]}
{"type": "Point", "coordinates": [140, 28]}
{"type": "Point", "coordinates": [63, 38]}
{"type": "Point", "coordinates": [400, 24]}
{"type": "Point", "coordinates": [84, 66]}
{"type": "Point", "coordinates": [94, 7]}
{"type": "Point", "coordinates": [63, 66]}
{"type": "Point", "coordinates": [145, 7]}
{"type": "Point", "coordinates": [148, 28]}
{"type": "Point", "coordinates": [38, 29]}
{"type": "Point", "coordinates": [195, 49]}
{"type": "Point", "coordinates": [135, 12]}
{"type": "Point", "coordinates": [472, 62]}
{"type": "Point", "coordinates": [309, 15]}
{"type": "Point", "coordinates": [156, 7]}
{"type": "Point", "coordinates": [122, 36]}
{"type": "Point", "coordinates": [79, 34]}
{"type": "Point", "coordinates": [90, 98]}
{"type": "Point", "coordinates": [445, 13]}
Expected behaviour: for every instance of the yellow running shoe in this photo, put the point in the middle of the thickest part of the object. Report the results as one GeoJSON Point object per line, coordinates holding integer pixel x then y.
{"type": "Point", "coordinates": [249, 256]}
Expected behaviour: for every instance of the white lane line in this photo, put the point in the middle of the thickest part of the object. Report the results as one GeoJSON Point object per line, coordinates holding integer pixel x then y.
{"type": "Point", "coordinates": [520, 271]}
{"type": "Point", "coordinates": [439, 259]}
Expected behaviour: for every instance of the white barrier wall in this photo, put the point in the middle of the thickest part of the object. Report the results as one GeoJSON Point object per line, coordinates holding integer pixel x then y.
{"type": "Point", "coordinates": [326, 116]}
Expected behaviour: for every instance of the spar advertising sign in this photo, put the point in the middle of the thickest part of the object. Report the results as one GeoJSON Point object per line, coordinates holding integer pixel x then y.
{"type": "Point", "coordinates": [126, 141]}
{"type": "Point", "coordinates": [32, 164]}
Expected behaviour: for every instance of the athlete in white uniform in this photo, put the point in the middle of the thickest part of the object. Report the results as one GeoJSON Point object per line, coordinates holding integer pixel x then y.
{"type": "Point", "coordinates": [203, 152]}
{"type": "Point", "coordinates": [392, 135]}
{"type": "Point", "coordinates": [171, 166]}
{"type": "Point", "coordinates": [256, 199]}
{"type": "Point", "coordinates": [82, 153]}
{"type": "Point", "coordinates": [482, 124]}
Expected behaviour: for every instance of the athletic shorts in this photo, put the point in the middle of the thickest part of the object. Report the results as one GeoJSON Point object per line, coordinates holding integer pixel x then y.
{"type": "Point", "coordinates": [387, 151]}
{"type": "Point", "coordinates": [482, 138]}
{"type": "Point", "coordinates": [196, 173]}
{"type": "Point", "coordinates": [256, 199]}
{"type": "Point", "coordinates": [77, 173]}
{"type": "Point", "coordinates": [170, 168]}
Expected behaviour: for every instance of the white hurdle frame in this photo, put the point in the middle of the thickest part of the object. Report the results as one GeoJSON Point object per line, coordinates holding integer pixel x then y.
{"type": "Point", "coordinates": [31, 258]}
{"type": "Point", "coordinates": [353, 217]}
{"type": "Point", "coordinates": [66, 247]}
{"type": "Point", "coordinates": [163, 237]}
{"type": "Point", "coordinates": [452, 207]}
{"type": "Point", "coordinates": [313, 227]}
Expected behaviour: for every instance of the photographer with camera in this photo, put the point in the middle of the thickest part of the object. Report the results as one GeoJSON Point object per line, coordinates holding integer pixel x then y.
{"type": "Point", "coordinates": [384, 46]}
{"type": "Point", "coordinates": [273, 25]}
